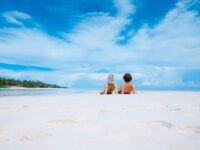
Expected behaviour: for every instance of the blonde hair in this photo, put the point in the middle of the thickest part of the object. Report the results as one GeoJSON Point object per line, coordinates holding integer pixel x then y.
{"type": "Point", "coordinates": [110, 78]}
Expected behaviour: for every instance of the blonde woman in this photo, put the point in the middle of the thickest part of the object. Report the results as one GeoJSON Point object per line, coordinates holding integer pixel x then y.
{"type": "Point", "coordinates": [110, 87]}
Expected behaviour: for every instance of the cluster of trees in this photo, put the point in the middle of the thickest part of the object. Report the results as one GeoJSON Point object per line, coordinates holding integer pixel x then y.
{"type": "Point", "coordinates": [25, 83]}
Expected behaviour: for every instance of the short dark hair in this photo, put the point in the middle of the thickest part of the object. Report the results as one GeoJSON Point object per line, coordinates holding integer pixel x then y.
{"type": "Point", "coordinates": [127, 77]}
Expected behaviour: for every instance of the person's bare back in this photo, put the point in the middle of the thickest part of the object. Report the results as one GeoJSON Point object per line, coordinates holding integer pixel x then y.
{"type": "Point", "coordinates": [111, 87]}
{"type": "Point", "coordinates": [127, 87]}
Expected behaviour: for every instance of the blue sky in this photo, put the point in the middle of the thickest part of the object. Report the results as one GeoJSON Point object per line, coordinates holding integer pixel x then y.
{"type": "Point", "coordinates": [77, 43]}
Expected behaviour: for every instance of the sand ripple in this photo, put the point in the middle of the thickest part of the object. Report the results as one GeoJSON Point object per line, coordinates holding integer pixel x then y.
{"type": "Point", "coordinates": [64, 121]}
{"type": "Point", "coordinates": [160, 123]}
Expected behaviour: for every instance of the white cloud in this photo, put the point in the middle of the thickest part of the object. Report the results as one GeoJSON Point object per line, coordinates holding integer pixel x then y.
{"type": "Point", "coordinates": [156, 56]}
{"type": "Point", "coordinates": [16, 17]}
{"type": "Point", "coordinates": [91, 40]}
{"type": "Point", "coordinates": [34, 47]}
{"type": "Point", "coordinates": [174, 41]}
{"type": "Point", "coordinates": [125, 7]}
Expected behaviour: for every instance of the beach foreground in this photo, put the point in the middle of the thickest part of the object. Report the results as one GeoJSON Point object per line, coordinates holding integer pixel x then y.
{"type": "Point", "coordinates": [147, 120]}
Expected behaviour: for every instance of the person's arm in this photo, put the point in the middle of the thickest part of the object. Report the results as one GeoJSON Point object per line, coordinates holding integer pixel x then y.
{"type": "Point", "coordinates": [122, 89]}
{"type": "Point", "coordinates": [115, 89]}
{"type": "Point", "coordinates": [105, 90]}
{"type": "Point", "coordinates": [134, 91]}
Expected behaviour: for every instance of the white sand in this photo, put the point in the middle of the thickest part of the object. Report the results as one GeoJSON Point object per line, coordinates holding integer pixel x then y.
{"type": "Point", "coordinates": [146, 121]}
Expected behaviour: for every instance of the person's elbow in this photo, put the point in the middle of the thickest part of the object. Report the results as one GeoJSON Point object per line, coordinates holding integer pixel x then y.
{"type": "Point", "coordinates": [134, 92]}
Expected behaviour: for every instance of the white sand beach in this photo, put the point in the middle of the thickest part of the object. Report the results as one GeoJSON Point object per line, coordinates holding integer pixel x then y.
{"type": "Point", "coordinates": [145, 121]}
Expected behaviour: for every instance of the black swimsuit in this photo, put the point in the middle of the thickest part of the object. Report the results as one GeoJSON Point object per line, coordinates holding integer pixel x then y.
{"type": "Point", "coordinates": [127, 93]}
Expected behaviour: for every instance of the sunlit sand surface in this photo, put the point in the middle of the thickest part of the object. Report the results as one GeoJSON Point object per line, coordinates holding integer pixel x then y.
{"type": "Point", "coordinates": [147, 120]}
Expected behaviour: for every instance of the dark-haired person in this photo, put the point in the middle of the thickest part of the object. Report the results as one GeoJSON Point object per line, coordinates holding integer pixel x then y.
{"type": "Point", "coordinates": [127, 87]}
{"type": "Point", "coordinates": [110, 87]}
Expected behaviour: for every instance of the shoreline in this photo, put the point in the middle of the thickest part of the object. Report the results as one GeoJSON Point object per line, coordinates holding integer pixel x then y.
{"type": "Point", "coordinates": [15, 88]}
{"type": "Point", "coordinates": [4, 92]}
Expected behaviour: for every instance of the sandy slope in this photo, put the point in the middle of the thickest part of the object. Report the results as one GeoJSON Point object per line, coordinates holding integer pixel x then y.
{"type": "Point", "coordinates": [146, 121]}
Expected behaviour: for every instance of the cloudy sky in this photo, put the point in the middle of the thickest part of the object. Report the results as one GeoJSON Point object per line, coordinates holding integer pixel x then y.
{"type": "Point", "coordinates": [77, 43]}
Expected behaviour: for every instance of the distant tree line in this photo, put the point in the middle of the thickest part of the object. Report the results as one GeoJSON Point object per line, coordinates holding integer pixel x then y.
{"type": "Point", "coordinates": [25, 83]}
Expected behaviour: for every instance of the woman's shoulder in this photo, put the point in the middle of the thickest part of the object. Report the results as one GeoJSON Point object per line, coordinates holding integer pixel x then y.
{"type": "Point", "coordinates": [131, 84]}
{"type": "Point", "coordinates": [127, 85]}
